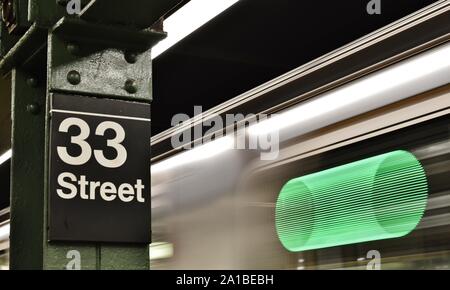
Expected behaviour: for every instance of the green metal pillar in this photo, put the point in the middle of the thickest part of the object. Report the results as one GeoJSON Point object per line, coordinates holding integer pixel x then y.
{"type": "Point", "coordinates": [27, 171]}
{"type": "Point", "coordinates": [50, 52]}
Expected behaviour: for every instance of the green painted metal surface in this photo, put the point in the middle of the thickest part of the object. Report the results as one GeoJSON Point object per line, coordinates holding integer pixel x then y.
{"type": "Point", "coordinates": [5, 114]}
{"type": "Point", "coordinates": [48, 53]}
{"type": "Point", "coordinates": [377, 198]}
{"type": "Point", "coordinates": [27, 174]}
{"type": "Point", "coordinates": [136, 13]}
{"type": "Point", "coordinates": [91, 62]}
{"type": "Point", "coordinates": [124, 257]}
{"type": "Point", "coordinates": [24, 49]}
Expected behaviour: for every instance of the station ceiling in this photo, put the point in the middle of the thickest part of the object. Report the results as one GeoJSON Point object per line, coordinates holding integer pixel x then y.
{"type": "Point", "coordinates": [255, 41]}
{"type": "Point", "coordinates": [252, 42]}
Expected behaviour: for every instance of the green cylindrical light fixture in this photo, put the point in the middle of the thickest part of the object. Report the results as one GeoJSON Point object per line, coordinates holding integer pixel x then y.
{"type": "Point", "coordinates": [381, 197]}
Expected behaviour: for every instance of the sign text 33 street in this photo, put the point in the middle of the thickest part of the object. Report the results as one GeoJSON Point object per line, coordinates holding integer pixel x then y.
{"type": "Point", "coordinates": [99, 170]}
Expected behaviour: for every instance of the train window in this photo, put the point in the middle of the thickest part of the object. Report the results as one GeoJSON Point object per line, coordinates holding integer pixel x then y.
{"type": "Point", "coordinates": [387, 197]}
{"type": "Point", "coordinates": [377, 198]}
{"type": "Point", "coordinates": [344, 235]}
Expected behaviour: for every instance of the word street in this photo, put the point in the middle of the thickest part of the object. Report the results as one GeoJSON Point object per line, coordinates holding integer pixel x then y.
{"type": "Point", "coordinates": [108, 191]}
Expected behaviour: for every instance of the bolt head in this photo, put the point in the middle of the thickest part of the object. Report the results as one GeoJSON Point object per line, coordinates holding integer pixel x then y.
{"type": "Point", "coordinates": [130, 86]}
{"type": "Point", "coordinates": [131, 57]}
{"type": "Point", "coordinates": [33, 109]}
{"type": "Point", "coordinates": [73, 48]}
{"type": "Point", "coordinates": [32, 82]}
{"type": "Point", "coordinates": [74, 77]}
{"type": "Point", "coordinates": [8, 14]}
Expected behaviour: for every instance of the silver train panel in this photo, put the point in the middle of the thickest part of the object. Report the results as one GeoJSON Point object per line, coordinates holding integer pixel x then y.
{"type": "Point", "coordinates": [215, 208]}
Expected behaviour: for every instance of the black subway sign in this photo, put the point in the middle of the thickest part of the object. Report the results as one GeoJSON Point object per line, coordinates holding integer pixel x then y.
{"type": "Point", "coordinates": [99, 170]}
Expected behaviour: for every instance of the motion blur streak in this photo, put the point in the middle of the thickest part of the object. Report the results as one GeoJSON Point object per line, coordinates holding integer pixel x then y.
{"type": "Point", "coordinates": [219, 212]}
{"type": "Point", "coordinates": [199, 153]}
{"type": "Point", "coordinates": [189, 18]}
{"type": "Point", "coordinates": [6, 156]}
{"type": "Point", "coordinates": [410, 77]}
{"type": "Point", "coordinates": [161, 251]}
{"type": "Point", "coordinates": [4, 232]}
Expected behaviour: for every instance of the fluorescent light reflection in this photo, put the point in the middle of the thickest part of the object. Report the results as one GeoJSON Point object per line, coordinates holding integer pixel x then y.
{"type": "Point", "coordinates": [4, 232]}
{"type": "Point", "coordinates": [6, 156]}
{"type": "Point", "coordinates": [410, 77]}
{"type": "Point", "coordinates": [189, 18]}
{"type": "Point", "coordinates": [160, 251]}
{"type": "Point", "coordinates": [199, 153]}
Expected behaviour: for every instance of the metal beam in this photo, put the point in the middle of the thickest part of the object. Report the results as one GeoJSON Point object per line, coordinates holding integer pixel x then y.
{"type": "Point", "coordinates": [27, 170]}
{"type": "Point", "coordinates": [61, 54]}
{"type": "Point", "coordinates": [135, 13]}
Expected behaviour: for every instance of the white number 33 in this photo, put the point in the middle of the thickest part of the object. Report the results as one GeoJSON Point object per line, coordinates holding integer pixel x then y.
{"type": "Point", "coordinates": [86, 150]}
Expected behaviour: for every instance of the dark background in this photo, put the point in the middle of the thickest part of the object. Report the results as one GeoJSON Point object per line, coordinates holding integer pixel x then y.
{"type": "Point", "coordinates": [252, 42]}
{"type": "Point", "coordinates": [255, 41]}
{"type": "Point", "coordinates": [98, 220]}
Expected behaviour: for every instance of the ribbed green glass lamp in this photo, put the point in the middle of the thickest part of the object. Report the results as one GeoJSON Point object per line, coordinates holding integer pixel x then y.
{"type": "Point", "coordinates": [381, 197]}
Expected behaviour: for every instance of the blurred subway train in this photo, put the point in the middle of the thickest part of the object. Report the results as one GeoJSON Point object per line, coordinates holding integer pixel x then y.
{"type": "Point", "coordinates": [361, 172]}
